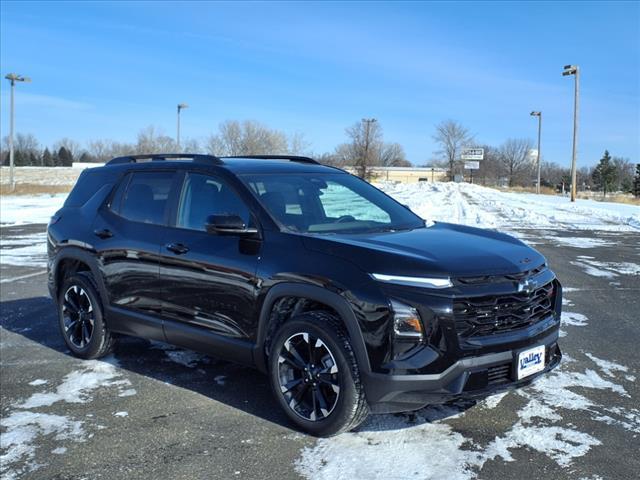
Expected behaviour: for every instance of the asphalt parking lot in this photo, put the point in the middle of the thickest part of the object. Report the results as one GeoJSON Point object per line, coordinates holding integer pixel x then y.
{"type": "Point", "coordinates": [152, 411]}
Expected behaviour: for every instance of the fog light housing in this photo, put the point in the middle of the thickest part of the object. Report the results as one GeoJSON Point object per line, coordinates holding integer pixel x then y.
{"type": "Point", "coordinates": [407, 323]}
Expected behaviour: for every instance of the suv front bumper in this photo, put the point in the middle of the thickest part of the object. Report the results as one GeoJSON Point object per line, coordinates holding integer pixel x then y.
{"type": "Point", "coordinates": [468, 378]}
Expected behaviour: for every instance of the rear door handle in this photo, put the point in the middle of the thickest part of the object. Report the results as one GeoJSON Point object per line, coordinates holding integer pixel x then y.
{"type": "Point", "coordinates": [103, 233]}
{"type": "Point", "coordinates": [177, 248]}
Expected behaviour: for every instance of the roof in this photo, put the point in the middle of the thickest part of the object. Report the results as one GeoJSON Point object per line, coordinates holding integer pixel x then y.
{"type": "Point", "coordinates": [239, 165]}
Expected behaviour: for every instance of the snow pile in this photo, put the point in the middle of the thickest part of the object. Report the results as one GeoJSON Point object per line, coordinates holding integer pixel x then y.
{"type": "Point", "coordinates": [489, 208]}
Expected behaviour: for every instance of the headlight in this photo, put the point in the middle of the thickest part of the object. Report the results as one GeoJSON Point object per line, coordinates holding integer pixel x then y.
{"type": "Point", "coordinates": [406, 321]}
{"type": "Point", "coordinates": [424, 282]}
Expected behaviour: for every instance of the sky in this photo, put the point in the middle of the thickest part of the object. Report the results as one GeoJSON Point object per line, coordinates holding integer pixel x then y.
{"type": "Point", "coordinates": [109, 69]}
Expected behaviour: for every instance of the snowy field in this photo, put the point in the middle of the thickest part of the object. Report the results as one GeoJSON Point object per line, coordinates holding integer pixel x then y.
{"type": "Point", "coordinates": [586, 404]}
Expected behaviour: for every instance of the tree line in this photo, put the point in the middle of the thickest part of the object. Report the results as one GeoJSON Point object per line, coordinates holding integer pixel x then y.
{"type": "Point", "coordinates": [365, 148]}
{"type": "Point", "coordinates": [513, 164]}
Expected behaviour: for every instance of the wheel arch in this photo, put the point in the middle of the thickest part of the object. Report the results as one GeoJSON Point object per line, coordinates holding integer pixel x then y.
{"type": "Point", "coordinates": [329, 300]}
{"type": "Point", "coordinates": [73, 259]}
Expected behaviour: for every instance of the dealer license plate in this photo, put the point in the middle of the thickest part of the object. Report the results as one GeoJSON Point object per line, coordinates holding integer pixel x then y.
{"type": "Point", "coordinates": [531, 361]}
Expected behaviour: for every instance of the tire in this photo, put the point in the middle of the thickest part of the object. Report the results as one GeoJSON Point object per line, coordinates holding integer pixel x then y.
{"type": "Point", "coordinates": [328, 398]}
{"type": "Point", "coordinates": [81, 318]}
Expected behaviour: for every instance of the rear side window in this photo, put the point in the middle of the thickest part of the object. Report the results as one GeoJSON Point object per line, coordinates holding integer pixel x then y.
{"type": "Point", "coordinates": [89, 182]}
{"type": "Point", "coordinates": [146, 197]}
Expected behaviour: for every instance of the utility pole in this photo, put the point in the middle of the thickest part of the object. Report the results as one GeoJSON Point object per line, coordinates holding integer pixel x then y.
{"type": "Point", "coordinates": [574, 70]}
{"type": "Point", "coordinates": [180, 107]}
{"type": "Point", "coordinates": [13, 78]}
{"type": "Point", "coordinates": [367, 130]}
{"type": "Point", "coordinates": [539, 115]}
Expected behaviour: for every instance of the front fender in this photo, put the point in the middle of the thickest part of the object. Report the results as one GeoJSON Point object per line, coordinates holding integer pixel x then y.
{"type": "Point", "coordinates": [318, 294]}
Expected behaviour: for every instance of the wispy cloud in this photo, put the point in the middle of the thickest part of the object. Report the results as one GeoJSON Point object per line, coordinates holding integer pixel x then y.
{"type": "Point", "coordinates": [45, 101]}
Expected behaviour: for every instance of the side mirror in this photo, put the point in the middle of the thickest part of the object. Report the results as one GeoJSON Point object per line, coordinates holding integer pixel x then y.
{"type": "Point", "coordinates": [228, 225]}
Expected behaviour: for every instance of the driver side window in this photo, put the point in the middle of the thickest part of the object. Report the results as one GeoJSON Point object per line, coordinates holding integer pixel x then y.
{"type": "Point", "coordinates": [204, 195]}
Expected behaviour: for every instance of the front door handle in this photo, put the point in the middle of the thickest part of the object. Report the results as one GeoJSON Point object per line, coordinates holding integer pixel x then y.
{"type": "Point", "coordinates": [177, 248]}
{"type": "Point", "coordinates": [103, 233]}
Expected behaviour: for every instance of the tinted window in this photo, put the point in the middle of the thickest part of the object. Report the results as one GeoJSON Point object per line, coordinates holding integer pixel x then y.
{"type": "Point", "coordinates": [203, 195]}
{"type": "Point", "coordinates": [329, 203]}
{"type": "Point", "coordinates": [90, 181]}
{"type": "Point", "coordinates": [145, 199]}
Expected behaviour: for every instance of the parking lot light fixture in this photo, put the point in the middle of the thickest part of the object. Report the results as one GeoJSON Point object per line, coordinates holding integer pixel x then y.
{"type": "Point", "coordinates": [539, 115]}
{"type": "Point", "coordinates": [575, 71]}
{"type": "Point", "coordinates": [181, 106]}
{"type": "Point", "coordinates": [13, 78]}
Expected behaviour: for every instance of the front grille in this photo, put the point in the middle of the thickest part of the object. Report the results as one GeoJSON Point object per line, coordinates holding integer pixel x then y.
{"type": "Point", "coordinates": [488, 279]}
{"type": "Point", "coordinates": [499, 374]}
{"type": "Point", "coordinates": [482, 316]}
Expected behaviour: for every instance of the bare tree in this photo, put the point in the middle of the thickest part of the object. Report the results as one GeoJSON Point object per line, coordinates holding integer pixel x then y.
{"type": "Point", "coordinates": [452, 138]}
{"type": "Point", "coordinates": [152, 140]}
{"type": "Point", "coordinates": [625, 171]}
{"type": "Point", "coordinates": [515, 159]}
{"type": "Point", "coordinates": [70, 145]}
{"type": "Point", "coordinates": [298, 145]}
{"type": "Point", "coordinates": [363, 151]}
{"type": "Point", "coordinates": [392, 155]}
{"type": "Point", "coordinates": [247, 138]}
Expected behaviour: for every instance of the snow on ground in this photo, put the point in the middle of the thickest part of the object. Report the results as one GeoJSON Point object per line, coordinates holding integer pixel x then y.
{"type": "Point", "coordinates": [425, 445]}
{"type": "Point", "coordinates": [478, 206]}
{"type": "Point", "coordinates": [25, 209]}
{"type": "Point", "coordinates": [25, 424]}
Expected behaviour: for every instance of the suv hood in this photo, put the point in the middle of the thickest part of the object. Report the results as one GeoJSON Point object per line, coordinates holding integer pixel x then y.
{"type": "Point", "coordinates": [444, 249]}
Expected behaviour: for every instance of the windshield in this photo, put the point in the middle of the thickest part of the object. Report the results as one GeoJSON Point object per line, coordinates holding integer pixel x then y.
{"type": "Point", "coordinates": [329, 203]}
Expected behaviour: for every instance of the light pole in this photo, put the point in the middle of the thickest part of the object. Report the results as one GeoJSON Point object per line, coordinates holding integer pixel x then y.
{"type": "Point", "coordinates": [574, 70]}
{"type": "Point", "coordinates": [539, 115]}
{"type": "Point", "coordinates": [365, 160]}
{"type": "Point", "coordinates": [180, 107]}
{"type": "Point", "coordinates": [13, 78]}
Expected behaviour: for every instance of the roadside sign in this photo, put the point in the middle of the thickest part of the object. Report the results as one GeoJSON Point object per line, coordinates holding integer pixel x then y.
{"type": "Point", "coordinates": [472, 165]}
{"type": "Point", "coordinates": [472, 154]}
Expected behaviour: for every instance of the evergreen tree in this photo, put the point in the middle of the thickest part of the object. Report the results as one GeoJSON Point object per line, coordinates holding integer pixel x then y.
{"type": "Point", "coordinates": [47, 158]}
{"type": "Point", "coordinates": [636, 181]}
{"type": "Point", "coordinates": [55, 157]}
{"type": "Point", "coordinates": [66, 159]}
{"type": "Point", "coordinates": [604, 175]}
{"type": "Point", "coordinates": [34, 159]}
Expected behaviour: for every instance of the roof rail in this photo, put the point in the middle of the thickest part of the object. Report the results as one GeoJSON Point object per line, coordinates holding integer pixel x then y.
{"type": "Point", "coordinates": [194, 157]}
{"type": "Point", "coordinates": [292, 158]}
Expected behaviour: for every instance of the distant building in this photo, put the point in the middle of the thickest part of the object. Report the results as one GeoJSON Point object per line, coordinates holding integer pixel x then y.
{"type": "Point", "coordinates": [406, 174]}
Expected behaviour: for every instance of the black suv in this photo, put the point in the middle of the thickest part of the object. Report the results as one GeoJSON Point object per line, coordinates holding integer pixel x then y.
{"type": "Point", "coordinates": [349, 301]}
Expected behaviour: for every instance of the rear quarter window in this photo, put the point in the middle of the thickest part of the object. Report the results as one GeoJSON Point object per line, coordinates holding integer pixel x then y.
{"type": "Point", "coordinates": [146, 197]}
{"type": "Point", "coordinates": [90, 181]}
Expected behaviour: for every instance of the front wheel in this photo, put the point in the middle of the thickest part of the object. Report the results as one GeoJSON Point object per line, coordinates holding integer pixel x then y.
{"type": "Point", "coordinates": [315, 376]}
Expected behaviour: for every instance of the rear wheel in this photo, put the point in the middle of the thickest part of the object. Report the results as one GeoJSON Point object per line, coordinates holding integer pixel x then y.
{"type": "Point", "coordinates": [81, 318]}
{"type": "Point", "coordinates": [315, 376]}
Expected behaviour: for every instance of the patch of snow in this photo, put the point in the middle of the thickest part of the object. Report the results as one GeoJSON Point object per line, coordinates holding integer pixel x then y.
{"type": "Point", "coordinates": [78, 385]}
{"type": "Point", "coordinates": [574, 319]}
{"type": "Point", "coordinates": [59, 451]}
{"type": "Point", "coordinates": [607, 366]}
{"type": "Point", "coordinates": [494, 400]}
{"type": "Point", "coordinates": [24, 251]}
{"type": "Point", "coordinates": [37, 382]}
{"type": "Point", "coordinates": [121, 414]}
{"type": "Point", "coordinates": [25, 209]}
{"type": "Point", "coordinates": [127, 393]}
{"type": "Point", "coordinates": [188, 358]}
{"type": "Point", "coordinates": [23, 431]}
{"type": "Point", "coordinates": [606, 269]}
{"type": "Point", "coordinates": [580, 242]}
